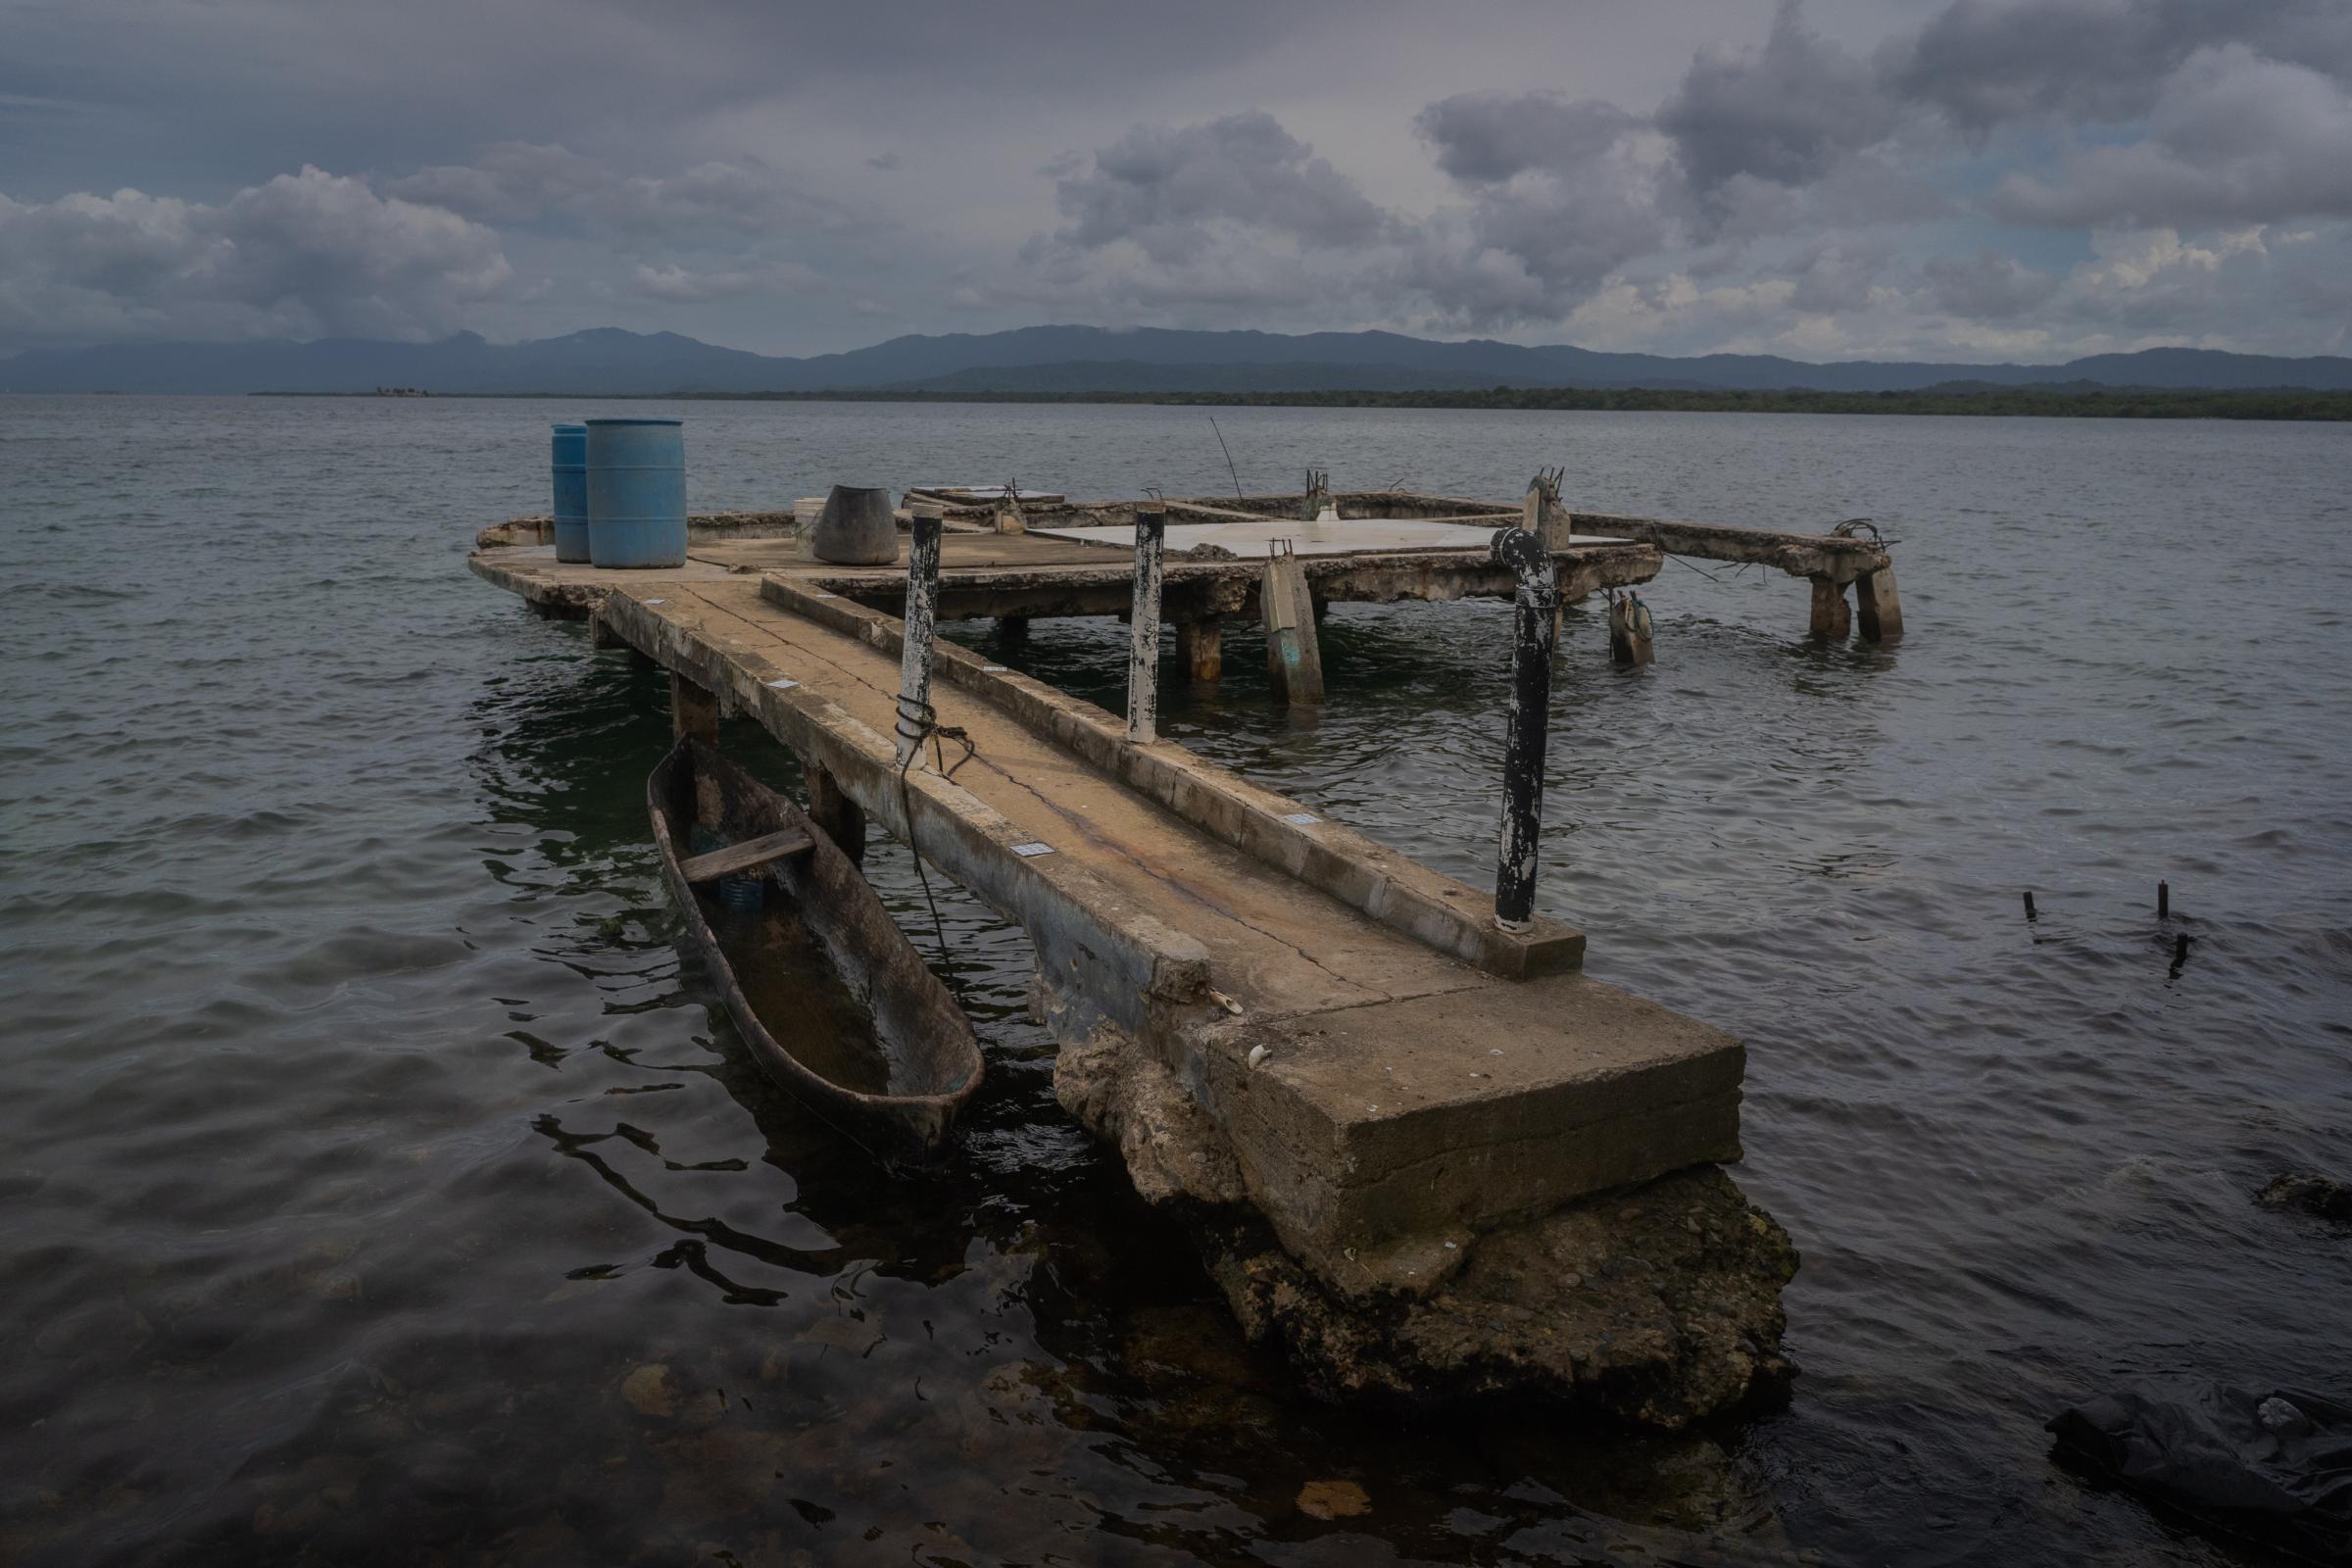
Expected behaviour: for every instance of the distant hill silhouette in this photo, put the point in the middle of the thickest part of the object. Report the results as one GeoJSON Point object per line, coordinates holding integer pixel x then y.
{"type": "Point", "coordinates": [607, 360]}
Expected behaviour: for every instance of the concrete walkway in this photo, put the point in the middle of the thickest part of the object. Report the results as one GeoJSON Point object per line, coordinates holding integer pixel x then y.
{"type": "Point", "coordinates": [1423, 1077]}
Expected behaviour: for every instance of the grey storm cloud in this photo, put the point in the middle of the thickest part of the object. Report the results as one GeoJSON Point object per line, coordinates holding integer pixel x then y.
{"type": "Point", "coordinates": [1988, 63]}
{"type": "Point", "coordinates": [1158, 187]}
{"type": "Point", "coordinates": [1489, 138]}
{"type": "Point", "coordinates": [799, 164]}
{"type": "Point", "coordinates": [1786, 113]}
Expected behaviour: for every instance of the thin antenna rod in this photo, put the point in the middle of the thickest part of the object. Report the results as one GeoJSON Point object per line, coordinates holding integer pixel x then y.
{"type": "Point", "coordinates": [1228, 451]}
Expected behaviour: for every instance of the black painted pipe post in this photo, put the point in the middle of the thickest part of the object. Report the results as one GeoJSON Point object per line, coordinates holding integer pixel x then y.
{"type": "Point", "coordinates": [921, 628]}
{"type": "Point", "coordinates": [2164, 901]}
{"type": "Point", "coordinates": [1528, 736]}
{"type": "Point", "coordinates": [1143, 626]}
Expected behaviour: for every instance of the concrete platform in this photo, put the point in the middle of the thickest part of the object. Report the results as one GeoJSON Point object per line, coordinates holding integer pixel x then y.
{"type": "Point", "coordinates": [1179, 910]}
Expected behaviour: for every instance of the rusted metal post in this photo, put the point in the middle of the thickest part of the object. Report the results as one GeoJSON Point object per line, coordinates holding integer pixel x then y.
{"type": "Point", "coordinates": [1143, 626]}
{"type": "Point", "coordinates": [922, 629]}
{"type": "Point", "coordinates": [1526, 738]}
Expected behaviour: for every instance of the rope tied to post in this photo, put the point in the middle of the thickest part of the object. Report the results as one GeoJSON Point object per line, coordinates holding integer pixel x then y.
{"type": "Point", "coordinates": [918, 722]}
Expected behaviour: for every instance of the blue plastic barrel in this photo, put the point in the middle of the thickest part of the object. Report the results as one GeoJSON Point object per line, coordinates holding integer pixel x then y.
{"type": "Point", "coordinates": [571, 492]}
{"type": "Point", "coordinates": [637, 492]}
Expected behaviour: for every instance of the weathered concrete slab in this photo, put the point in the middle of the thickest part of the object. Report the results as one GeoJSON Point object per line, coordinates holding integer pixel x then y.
{"type": "Point", "coordinates": [1378, 1132]}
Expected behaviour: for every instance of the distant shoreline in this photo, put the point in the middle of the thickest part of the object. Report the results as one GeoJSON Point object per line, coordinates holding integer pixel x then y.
{"type": "Point", "coordinates": [2117, 403]}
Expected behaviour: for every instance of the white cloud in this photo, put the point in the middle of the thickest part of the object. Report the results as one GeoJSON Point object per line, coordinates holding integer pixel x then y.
{"type": "Point", "coordinates": [303, 255]}
{"type": "Point", "coordinates": [679, 286]}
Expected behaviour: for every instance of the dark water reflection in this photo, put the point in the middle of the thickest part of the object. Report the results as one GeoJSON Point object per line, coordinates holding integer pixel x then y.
{"type": "Point", "coordinates": [382, 1186]}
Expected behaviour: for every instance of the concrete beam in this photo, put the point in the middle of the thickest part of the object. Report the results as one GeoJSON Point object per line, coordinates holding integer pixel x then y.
{"type": "Point", "coordinates": [1799, 555]}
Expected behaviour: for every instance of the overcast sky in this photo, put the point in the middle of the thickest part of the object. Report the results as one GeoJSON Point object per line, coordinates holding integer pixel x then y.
{"type": "Point", "coordinates": [1973, 179]}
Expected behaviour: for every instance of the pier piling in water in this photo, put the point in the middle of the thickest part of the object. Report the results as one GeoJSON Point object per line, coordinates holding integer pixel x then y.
{"type": "Point", "coordinates": [1878, 607]}
{"type": "Point", "coordinates": [1294, 653]}
{"type": "Point", "coordinates": [1629, 630]}
{"type": "Point", "coordinates": [1527, 737]}
{"type": "Point", "coordinates": [1142, 627]}
{"type": "Point", "coordinates": [922, 628]}
{"type": "Point", "coordinates": [1832, 619]}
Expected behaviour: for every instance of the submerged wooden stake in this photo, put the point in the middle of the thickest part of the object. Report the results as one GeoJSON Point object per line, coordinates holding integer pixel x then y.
{"type": "Point", "coordinates": [693, 711]}
{"type": "Point", "coordinates": [1200, 645]}
{"type": "Point", "coordinates": [842, 819]}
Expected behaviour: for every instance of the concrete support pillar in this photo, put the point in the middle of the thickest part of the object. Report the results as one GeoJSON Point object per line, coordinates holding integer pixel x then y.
{"type": "Point", "coordinates": [1293, 653]}
{"type": "Point", "coordinates": [921, 628]}
{"type": "Point", "coordinates": [1629, 630]}
{"type": "Point", "coordinates": [602, 636]}
{"type": "Point", "coordinates": [1012, 628]}
{"type": "Point", "coordinates": [693, 711]}
{"type": "Point", "coordinates": [1201, 647]}
{"type": "Point", "coordinates": [842, 819]}
{"type": "Point", "coordinates": [1142, 627]}
{"type": "Point", "coordinates": [1830, 617]}
{"type": "Point", "coordinates": [1878, 607]}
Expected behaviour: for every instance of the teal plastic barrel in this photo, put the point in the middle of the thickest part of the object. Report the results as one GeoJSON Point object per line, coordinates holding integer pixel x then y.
{"type": "Point", "coordinates": [637, 492]}
{"type": "Point", "coordinates": [571, 492]}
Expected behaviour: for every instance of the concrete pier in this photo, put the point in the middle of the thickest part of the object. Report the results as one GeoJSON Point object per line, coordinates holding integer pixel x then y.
{"type": "Point", "coordinates": [1362, 1093]}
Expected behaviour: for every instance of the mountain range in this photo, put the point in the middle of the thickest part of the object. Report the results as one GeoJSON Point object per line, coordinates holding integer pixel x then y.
{"type": "Point", "coordinates": [1065, 361]}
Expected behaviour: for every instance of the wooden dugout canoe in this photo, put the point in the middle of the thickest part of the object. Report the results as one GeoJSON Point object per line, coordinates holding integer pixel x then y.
{"type": "Point", "coordinates": [850, 1020]}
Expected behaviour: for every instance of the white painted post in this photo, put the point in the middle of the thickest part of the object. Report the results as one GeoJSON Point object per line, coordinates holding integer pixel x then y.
{"type": "Point", "coordinates": [1143, 628]}
{"type": "Point", "coordinates": [1528, 735]}
{"type": "Point", "coordinates": [921, 627]}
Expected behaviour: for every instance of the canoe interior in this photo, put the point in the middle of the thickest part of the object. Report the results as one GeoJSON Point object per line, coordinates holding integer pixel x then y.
{"type": "Point", "coordinates": [828, 992]}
